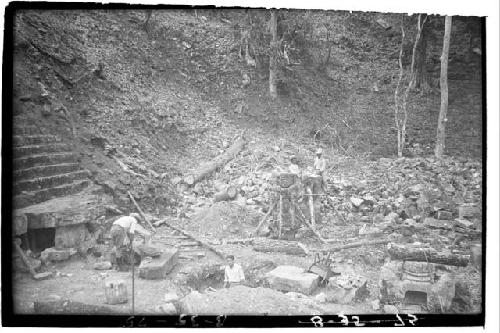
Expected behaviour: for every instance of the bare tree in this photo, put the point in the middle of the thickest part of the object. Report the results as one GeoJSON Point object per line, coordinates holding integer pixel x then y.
{"type": "Point", "coordinates": [273, 61]}
{"type": "Point", "coordinates": [443, 82]}
{"type": "Point", "coordinates": [401, 111]}
{"type": "Point", "coordinates": [421, 60]}
{"type": "Point", "coordinates": [146, 25]}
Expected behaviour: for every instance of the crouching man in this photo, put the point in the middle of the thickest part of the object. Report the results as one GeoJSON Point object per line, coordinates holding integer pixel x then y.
{"type": "Point", "coordinates": [126, 226]}
{"type": "Point", "coordinates": [233, 273]}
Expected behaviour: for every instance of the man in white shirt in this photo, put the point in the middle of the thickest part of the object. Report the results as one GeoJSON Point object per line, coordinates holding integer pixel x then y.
{"type": "Point", "coordinates": [233, 273]}
{"type": "Point", "coordinates": [126, 226]}
{"type": "Point", "coordinates": [294, 167]}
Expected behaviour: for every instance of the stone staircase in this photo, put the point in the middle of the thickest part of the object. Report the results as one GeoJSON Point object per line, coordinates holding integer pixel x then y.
{"type": "Point", "coordinates": [54, 199]}
{"type": "Point", "coordinates": [44, 168]}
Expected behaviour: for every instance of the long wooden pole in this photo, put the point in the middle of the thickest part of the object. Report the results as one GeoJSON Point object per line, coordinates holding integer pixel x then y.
{"type": "Point", "coordinates": [185, 233]}
{"type": "Point", "coordinates": [24, 259]}
{"type": "Point", "coordinates": [357, 244]}
{"type": "Point", "coordinates": [140, 211]}
{"type": "Point", "coordinates": [311, 206]}
{"type": "Point", "coordinates": [271, 208]}
{"type": "Point", "coordinates": [280, 219]}
{"type": "Point", "coordinates": [335, 209]}
{"type": "Point", "coordinates": [304, 219]}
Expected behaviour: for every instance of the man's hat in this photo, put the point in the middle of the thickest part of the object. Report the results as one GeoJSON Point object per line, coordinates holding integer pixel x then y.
{"type": "Point", "coordinates": [136, 216]}
{"type": "Point", "coordinates": [319, 151]}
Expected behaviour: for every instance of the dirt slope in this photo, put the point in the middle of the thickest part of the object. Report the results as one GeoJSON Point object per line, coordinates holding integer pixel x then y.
{"type": "Point", "coordinates": [166, 98]}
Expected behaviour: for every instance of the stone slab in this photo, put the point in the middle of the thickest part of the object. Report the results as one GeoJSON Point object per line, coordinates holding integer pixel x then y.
{"type": "Point", "coordinates": [158, 268]}
{"type": "Point", "coordinates": [444, 215]}
{"type": "Point", "coordinates": [292, 278]}
{"type": "Point", "coordinates": [467, 211]}
{"type": "Point", "coordinates": [52, 254]}
{"type": "Point", "coordinates": [58, 212]}
{"type": "Point", "coordinates": [344, 288]}
{"type": "Point", "coordinates": [70, 236]}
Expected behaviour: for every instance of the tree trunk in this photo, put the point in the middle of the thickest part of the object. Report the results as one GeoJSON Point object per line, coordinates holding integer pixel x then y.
{"type": "Point", "coordinates": [146, 26]}
{"type": "Point", "coordinates": [440, 138]}
{"type": "Point", "coordinates": [276, 245]}
{"type": "Point", "coordinates": [225, 195]}
{"type": "Point", "coordinates": [397, 107]}
{"type": "Point", "coordinates": [421, 73]}
{"type": "Point", "coordinates": [273, 64]}
{"type": "Point", "coordinates": [401, 252]}
{"type": "Point", "coordinates": [209, 167]}
{"type": "Point", "coordinates": [327, 62]}
{"type": "Point", "coordinates": [353, 245]}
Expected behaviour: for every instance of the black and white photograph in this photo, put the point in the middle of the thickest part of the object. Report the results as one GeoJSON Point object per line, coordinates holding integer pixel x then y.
{"type": "Point", "coordinates": [246, 166]}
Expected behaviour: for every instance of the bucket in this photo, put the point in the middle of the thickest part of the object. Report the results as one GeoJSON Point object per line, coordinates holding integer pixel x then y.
{"type": "Point", "coordinates": [116, 292]}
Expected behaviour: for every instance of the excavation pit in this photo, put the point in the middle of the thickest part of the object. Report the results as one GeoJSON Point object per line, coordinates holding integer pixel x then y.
{"type": "Point", "coordinates": [212, 275]}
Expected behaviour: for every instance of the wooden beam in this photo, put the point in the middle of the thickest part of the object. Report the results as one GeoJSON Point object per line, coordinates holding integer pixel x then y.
{"type": "Point", "coordinates": [140, 211]}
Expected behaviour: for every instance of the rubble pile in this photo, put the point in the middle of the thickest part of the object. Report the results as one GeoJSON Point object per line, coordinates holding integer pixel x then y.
{"type": "Point", "coordinates": [224, 220]}
{"type": "Point", "coordinates": [241, 300]}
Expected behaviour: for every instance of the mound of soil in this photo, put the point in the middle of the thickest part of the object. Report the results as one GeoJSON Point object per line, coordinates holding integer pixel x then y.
{"type": "Point", "coordinates": [242, 300]}
{"type": "Point", "coordinates": [225, 220]}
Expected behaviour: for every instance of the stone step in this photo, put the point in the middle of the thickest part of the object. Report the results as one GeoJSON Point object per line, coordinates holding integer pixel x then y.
{"type": "Point", "coordinates": [45, 170]}
{"type": "Point", "coordinates": [31, 198]}
{"type": "Point", "coordinates": [38, 149]}
{"type": "Point", "coordinates": [26, 130]}
{"type": "Point", "coordinates": [22, 140]}
{"type": "Point", "coordinates": [50, 181]}
{"type": "Point", "coordinates": [44, 159]}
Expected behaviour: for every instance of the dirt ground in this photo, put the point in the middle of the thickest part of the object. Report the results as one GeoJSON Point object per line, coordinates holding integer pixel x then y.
{"type": "Point", "coordinates": [77, 280]}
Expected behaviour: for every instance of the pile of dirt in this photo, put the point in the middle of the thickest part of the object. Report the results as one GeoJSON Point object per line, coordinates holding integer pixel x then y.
{"type": "Point", "coordinates": [243, 300]}
{"type": "Point", "coordinates": [225, 220]}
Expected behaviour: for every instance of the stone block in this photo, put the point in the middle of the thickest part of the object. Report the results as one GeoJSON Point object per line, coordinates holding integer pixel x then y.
{"type": "Point", "coordinates": [464, 223]}
{"type": "Point", "coordinates": [158, 268]}
{"type": "Point", "coordinates": [444, 290]}
{"type": "Point", "coordinates": [52, 254]}
{"type": "Point", "coordinates": [70, 236]}
{"type": "Point", "coordinates": [20, 224]}
{"type": "Point", "coordinates": [167, 309]}
{"type": "Point", "coordinates": [340, 295]}
{"type": "Point", "coordinates": [20, 266]}
{"type": "Point", "coordinates": [391, 217]}
{"type": "Point", "coordinates": [467, 211]}
{"type": "Point", "coordinates": [444, 215]}
{"type": "Point", "coordinates": [103, 265]}
{"type": "Point", "coordinates": [344, 288]}
{"type": "Point", "coordinates": [292, 278]}
{"type": "Point", "coordinates": [395, 283]}
{"type": "Point", "coordinates": [356, 202]}
{"type": "Point", "coordinates": [390, 309]}
{"type": "Point", "coordinates": [170, 297]}
{"type": "Point", "coordinates": [477, 255]}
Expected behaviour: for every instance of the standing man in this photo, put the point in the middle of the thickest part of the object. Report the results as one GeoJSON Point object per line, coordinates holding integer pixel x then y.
{"type": "Point", "coordinates": [233, 273]}
{"type": "Point", "coordinates": [320, 166]}
{"type": "Point", "coordinates": [294, 166]}
{"type": "Point", "coordinates": [126, 226]}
